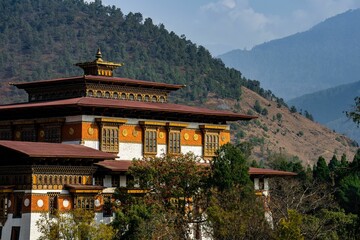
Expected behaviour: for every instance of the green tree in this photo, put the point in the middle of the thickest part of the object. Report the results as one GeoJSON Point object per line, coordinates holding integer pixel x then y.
{"type": "Point", "coordinates": [354, 114]}
{"type": "Point", "coordinates": [76, 224]}
{"type": "Point", "coordinates": [229, 169]}
{"type": "Point", "coordinates": [233, 212]}
{"type": "Point", "coordinates": [321, 170]}
{"type": "Point", "coordinates": [289, 228]}
{"type": "Point", "coordinates": [176, 188]}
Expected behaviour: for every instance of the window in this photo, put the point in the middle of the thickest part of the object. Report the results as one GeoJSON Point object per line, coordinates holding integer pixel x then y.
{"type": "Point", "coordinates": [211, 144]}
{"type": "Point", "coordinates": [53, 204]}
{"type": "Point", "coordinates": [150, 141]}
{"type": "Point", "coordinates": [84, 202]}
{"type": "Point", "coordinates": [109, 137]}
{"type": "Point", "coordinates": [3, 208]}
{"type": "Point", "coordinates": [5, 134]}
{"type": "Point", "coordinates": [18, 200]}
{"type": "Point", "coordinates": [28, 134]}
{"type": "Point", "coordinates": [52, 133]}
{"type": "Point", "coordinates": [15, 233]}
{"type": "Point", "coordinates": [115, 180]}
{"type": "Point", "coordinates": [174, 142]}
{"type": "Point", "coordinates": [107, 208]}
{"type": "Point", "coordinates": [99, 180]}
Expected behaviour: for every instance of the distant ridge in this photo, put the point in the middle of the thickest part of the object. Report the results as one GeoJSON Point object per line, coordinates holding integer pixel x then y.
{"type": "Point", "coordinates": [325, 56]}
{"type": "Point", "coordinates": [328, 107]}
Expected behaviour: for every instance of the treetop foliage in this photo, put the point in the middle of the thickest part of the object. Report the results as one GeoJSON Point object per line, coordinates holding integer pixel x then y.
{"type": "Point", "coordinates": [43, 39]}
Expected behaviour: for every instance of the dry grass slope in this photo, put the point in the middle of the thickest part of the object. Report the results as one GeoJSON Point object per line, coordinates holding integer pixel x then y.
{"type": "Point", "coordinates": [282, 131]}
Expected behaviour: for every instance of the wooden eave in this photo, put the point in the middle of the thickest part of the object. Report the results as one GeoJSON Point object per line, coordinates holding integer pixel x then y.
{"type": "Point", "coordinates": [118, 108]}
{"type": "Point", "coordinates": [98, 79]}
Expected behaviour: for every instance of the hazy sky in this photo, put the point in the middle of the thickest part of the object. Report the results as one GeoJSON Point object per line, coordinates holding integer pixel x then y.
{"type": "Point", "coordinates": [223, 25]}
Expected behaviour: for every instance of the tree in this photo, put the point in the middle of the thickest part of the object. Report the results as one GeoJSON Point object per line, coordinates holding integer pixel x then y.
{"type": "Point", "coordinates": [289, 228]}
{"type": "Point", "coordinates": [76, 224]}
{"type": "Point", "coordinates": [233, 211]}
{"type": "Point", "coordinates": [354, 114]}
{"type": "Point", "coordinates": [293, 109]}
{"type": "Point", "coordinates": [176, 194]}
{"type": "Point", "coordinates": [229, 169]}
{"type": "Point", "coordinates": [321, 170]}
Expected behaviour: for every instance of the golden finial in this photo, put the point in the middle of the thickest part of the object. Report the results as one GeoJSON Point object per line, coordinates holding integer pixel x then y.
{"type": "Point", "coordinates": [99, 55]}
{"type": "Point", "coordinates": [99, 67]}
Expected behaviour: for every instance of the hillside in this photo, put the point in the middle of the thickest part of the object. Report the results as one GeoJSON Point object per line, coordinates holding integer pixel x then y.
{"type": "Point", "coordinates": [43, 39]}
{"type": "Point", "coordinates": [325, 56]}
{"type": "Point", "coordinates": [328, 107]}
{"type": "Point", "coordinates": [285, 132]}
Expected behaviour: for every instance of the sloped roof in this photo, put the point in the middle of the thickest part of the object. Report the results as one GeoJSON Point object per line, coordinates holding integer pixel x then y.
{"type": "Point", "coordinates": [155, 107]}
{"type": "Point", "coordinates": [115, 165]}
{"type": "Point", "coordinates": [54, 150]}
{"type": "Point", "coordinates": [102, 79]}
{"type": "Point", "coordinates": [123, 165]}
{"type": "Point", "coordinates": [269, 172]}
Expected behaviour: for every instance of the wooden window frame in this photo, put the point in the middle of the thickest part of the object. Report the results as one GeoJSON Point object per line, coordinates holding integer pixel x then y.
{"type": "Point", "coordinates": [174, 142]}
{"type": "Point", "coordinates": [84, 202]}
{"type": "Point", "coordinates": [211, 138]}
{"type": "Point", "coordinates": [109, 137]}
{"type": "Point", "coordinates": [150, 137]}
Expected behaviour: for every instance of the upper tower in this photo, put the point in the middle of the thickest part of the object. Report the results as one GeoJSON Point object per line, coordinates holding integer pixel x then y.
{"type": "Point", "coordinates": [99, 67]}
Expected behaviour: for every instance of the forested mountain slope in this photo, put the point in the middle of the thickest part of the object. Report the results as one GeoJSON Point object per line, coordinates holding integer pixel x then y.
{"type": "Point", "coordinates": [325, 56]}
{"type": "Point", "coordinates": [43, 39]}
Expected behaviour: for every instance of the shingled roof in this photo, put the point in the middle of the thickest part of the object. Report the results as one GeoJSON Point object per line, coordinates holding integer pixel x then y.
{"type": "Point", "coordinates": [54, 150]}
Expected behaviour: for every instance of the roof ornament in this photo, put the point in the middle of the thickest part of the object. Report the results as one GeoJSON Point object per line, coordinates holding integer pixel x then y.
{"type": "Point", "coordinates": [98, 55]}
{"type": "Point", "coordinates": [99, 67]}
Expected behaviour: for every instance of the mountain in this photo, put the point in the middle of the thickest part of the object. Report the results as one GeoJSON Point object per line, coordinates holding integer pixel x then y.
{"type": "Point", "coordinates": [328, 107]}
{"type": "Point", "coordinates": [325, 56]}
{"type": "Point", "coordinates": [43, 39]}
{"type": "Point", "coordinates": [279, 130]}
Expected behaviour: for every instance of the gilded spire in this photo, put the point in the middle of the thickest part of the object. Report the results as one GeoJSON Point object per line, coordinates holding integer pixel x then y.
{"type": "Point", "coordinates": [99, 55]}
{"type": "Point", "coordinates": [99, 67]}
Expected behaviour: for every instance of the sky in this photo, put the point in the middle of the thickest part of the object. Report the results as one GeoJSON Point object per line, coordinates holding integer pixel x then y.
{"type": "Point", "coordinates": [224, 25]}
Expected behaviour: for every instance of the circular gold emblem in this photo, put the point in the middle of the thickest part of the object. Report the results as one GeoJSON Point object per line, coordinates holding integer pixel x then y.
{"type": "Point", "coordinates": [223, 138]}
{"type": "Point", "coordinates": [196, 137]}
{"type": "Point", "coordinates": [71, 131]}
{"type": "Point", "coordinates": [161, 135]}
{"type": "Point", "coordinates": [90, 131]}
{"type": "Point", "coordinates": [135, 133]}
{"type": "Point", "coordinates": [125, 132]}
{"type": "Point", "coordinates": [42, 133]}
{"type": "Point", "coordinates": [186, 136]}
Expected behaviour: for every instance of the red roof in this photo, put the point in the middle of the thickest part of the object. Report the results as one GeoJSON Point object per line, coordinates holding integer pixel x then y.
{"type": "Point", "coordinates": [58, 150]}
{"type": "Point", "coordinates": [264, 171]}
{"type": "Point", "coordinates": [123, 166]}
{"type": "Point", "coordinates": [130, 105]}
{"type": "Point", "coordinates": [104, 79]}
{"type": "Point", "coordinates": [116, 165]}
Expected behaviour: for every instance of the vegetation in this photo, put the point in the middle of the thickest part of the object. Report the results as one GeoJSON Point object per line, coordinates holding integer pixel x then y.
{"type": "Point", "coordinates": [355, 113]}
{"type": "Point", "coordinates": [76, 224]}
{"type": "Point", "coordinates": [185, 196]}
{"type": "Point", "coordinates": [49, 37]}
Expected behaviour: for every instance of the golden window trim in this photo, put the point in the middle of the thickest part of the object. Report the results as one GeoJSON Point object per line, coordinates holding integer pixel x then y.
{"type": "Point", "coordinates": [174, 145]}
{"type": "Point", "coordinates": [148, 124]}
{"type": "Point", "coordinates": [112, 121]}
{"type": "Point", "coordinates": [110, 134]}
{"type": "Point", "coordinates": [213, 127]}
{"type": "Point", "coordinates": [211, 143]}
{"type": "Point", "coordinates": [150, 141]}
